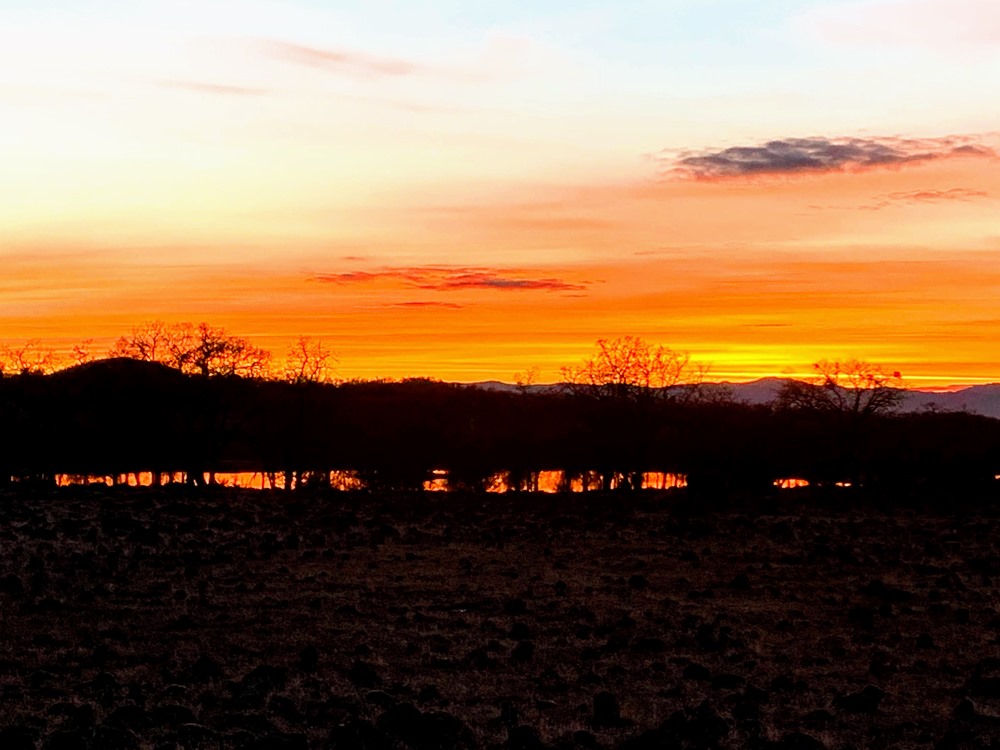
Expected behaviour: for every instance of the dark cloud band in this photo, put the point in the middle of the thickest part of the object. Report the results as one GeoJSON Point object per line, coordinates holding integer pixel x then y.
{"type": "Point", "coordinates": [799, 155]}
{"type": "Point", "coordinates": [428, 303]}
{"type": "Point", "coordinates": [913, 198]}
{"type": "Point", "coordinates": [961, 195]}
{"type": "Point", "coordinates": [445, 278]}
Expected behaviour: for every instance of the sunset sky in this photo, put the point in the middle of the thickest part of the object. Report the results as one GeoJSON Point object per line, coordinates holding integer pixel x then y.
{"type": "Point", "coordinates": [465, 189]}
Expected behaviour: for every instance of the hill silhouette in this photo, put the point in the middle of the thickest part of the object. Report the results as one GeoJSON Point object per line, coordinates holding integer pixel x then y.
{"type": "Point", "coordinates": [976, 399]}
{"type": "Point", "coordinates": [119, 370]}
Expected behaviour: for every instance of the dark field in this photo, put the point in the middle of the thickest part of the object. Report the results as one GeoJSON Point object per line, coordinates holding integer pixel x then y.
{"type": "Point", "coordinates": [142, 620]}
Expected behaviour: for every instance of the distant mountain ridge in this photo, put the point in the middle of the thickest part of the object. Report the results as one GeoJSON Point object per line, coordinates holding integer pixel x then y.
{"type": "Point", "coordinates": [976, 399]}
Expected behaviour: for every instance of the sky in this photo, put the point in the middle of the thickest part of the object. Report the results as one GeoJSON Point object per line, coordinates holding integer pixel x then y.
{"type": "Point", "coordinates": [466, 190]}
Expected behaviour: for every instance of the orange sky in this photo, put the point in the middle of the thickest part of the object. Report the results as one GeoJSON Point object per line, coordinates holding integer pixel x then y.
{"type": "Point", "coordinates": [499, 201]}
{"type": "Point", "coordinates": [754, 276]}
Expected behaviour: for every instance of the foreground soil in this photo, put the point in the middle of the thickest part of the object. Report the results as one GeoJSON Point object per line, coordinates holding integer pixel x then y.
{"type": "Point", "coordinates": [432, 622]}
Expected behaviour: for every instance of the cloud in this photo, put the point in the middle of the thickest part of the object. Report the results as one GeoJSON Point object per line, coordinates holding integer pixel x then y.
{"type": "Point", "coordinates": [212, 88]}
{"type": "Point", "coordinates": [348, 62]}
{"type": "Point", "coordinates": [446, 305]}
{"type": "Point", "coordinates": [350, 277]}
{"type": "Point", "coordinates": [963, 195]}
{"type": "Point", "coordinates": [914, 198]}
{"type": "Point", "coordinates": [791, 156]}
{"type": "Point", "coordinates": [448, 278]}
{"type": "Point", "coordinates": [490, 280]}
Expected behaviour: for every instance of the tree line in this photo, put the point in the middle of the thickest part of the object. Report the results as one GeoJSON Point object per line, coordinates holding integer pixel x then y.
{"type": "Point", "coordinates": [193, 349]}
{"type": "Point", "coordinates": [195, 399]}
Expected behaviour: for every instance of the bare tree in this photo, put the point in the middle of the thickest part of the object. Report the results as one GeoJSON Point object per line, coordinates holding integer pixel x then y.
{"type": "Point", "coordinates": [851, 387]}
{"type": "Point", "coordinates": [207, 350]}
{"type": "Point", "coordinates": [82, 352]}
{"type": "Point", "coordinates": [194, 349]}
{"type": "Point", "coordinates": [309, 361]}
{"type": "Point", "coordinates": [526, 380]}
{"type": "Point", "coordinates": [28, 358]}
{"type": "Point", "coordinates": [631, 369]}
{"type": "Point", "coordinates": [147, 342]}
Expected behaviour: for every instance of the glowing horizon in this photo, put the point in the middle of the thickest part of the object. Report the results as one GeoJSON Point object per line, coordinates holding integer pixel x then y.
{"type": "Point", "coordinates": [465, 194]}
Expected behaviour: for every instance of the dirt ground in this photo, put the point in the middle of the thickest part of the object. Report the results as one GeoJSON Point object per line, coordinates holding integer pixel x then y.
{"type": "Point", "coordinates": [141, 619]}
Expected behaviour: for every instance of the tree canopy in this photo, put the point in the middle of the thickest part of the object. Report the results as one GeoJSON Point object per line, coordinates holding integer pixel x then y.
{"type": "Point", "coordinates": [630, 368]}
{"type": "Point", "coordinates": [851, 387]}
{"type": "Point", "coordinates": [199, 349]}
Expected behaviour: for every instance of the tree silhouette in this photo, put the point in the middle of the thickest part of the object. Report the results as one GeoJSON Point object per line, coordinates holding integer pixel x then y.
{"type": "Point", "coordinates": [211, 351]}
{"type": "Point", "coordinates": [204, 351]}
{"type": "Point", "coordinates": [82, 352]}
{"type": "Point", "coordinates": [839, 409]}
{"type": "Point", "coordinates": [28, 358]}
{"type": "Point", "coordinates": [630, 369]}
{"type": "Point", "coordinates": [308, 372]}
{"type": "Point", "coordinates": [309, 361]}
{"type": "Point", "coordinates": [146, 342]}
{"type": "Point", "coordinates": [851, 387]}
{"type": "Point", "coordinates": [194, 349]}
{"type": "Point", "coordinates": [625, 389]}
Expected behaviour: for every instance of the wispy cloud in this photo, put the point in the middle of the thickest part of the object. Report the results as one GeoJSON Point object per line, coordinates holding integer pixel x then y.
{"type": "Point", "coordinates": [490, 280]}
{"type": "Point", "coordinates": [212, 88]}
{"type": "Point", "coordinates": [449, 278]}
{"type": "Point", "coordinates": [351, 277]}
{"type": "Point", "coordinates": [347, 62]}
{"type": "Point", "coordinates": [789, 156]}
{"type": "Point", "coordinates": [915, 198]}
{"type": "Point", "coordinates": [963, 195]}
{"type": "Point", "coordinates": [428, 303]}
